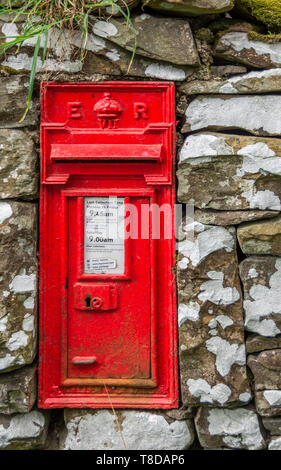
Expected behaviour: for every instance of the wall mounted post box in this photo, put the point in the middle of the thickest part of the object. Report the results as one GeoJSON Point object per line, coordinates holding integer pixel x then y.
{"type": "Point", "coordinates": [107, 296]}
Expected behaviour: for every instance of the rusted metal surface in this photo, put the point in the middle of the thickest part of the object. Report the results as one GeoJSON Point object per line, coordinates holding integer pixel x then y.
{"type": "Point", "coordinates": [107, 328]}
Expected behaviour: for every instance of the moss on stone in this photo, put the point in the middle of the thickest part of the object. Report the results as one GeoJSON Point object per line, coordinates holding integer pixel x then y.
{"type": "Point", "coordinates": [267, 38]}
{"type": "Point", "coordinates": [205, 34]}
{"type": "Point", "coordinates": [266, 11]}
{"type": "Point", "coordinates": [5, 71]}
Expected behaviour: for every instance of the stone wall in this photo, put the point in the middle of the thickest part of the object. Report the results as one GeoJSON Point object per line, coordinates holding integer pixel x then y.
{"type": "Point", "coordinates": [229, 256]}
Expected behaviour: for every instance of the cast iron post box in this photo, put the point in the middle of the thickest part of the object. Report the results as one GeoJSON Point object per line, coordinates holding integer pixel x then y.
{"type": "Point", "coordinates": [107, 300]}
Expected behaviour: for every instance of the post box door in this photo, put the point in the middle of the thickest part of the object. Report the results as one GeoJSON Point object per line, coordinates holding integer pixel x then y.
{"type": "Point", "coordinates": [109, 293]}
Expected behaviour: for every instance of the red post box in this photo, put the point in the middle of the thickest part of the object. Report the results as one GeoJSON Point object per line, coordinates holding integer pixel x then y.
{"type": "Point", "coordinates": [107, 295]}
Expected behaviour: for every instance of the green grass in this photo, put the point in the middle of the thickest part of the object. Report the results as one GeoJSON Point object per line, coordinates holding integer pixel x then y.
{"type": "Point", "coordinates": [40, 16]}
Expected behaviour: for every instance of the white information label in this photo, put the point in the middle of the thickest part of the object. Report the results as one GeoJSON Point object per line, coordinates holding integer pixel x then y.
{"type": "Point", "coordinates": [104, 229]}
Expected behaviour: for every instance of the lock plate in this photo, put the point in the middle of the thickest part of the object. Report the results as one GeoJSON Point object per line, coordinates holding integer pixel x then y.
{"type": "Point", "coordinates": [95, 297]}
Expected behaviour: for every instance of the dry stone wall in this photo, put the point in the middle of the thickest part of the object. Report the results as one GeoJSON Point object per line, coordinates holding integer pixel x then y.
{"type": "Point", "coordinates": [229, 255]}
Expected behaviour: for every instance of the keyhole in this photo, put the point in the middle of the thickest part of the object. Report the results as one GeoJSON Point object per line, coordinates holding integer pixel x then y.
{"type": "Point", "coordinates": [88, 302]}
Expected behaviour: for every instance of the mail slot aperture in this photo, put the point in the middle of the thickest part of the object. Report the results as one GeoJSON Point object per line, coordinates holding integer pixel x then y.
{"type": "Point", "coordinates": [61, 152]}
{"type": "Point", "coordinates": [107, 295]}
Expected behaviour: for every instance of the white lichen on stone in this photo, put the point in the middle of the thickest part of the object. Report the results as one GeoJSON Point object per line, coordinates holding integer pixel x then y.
{"type": "Point", "coordinates": [24, 62]}
{"type": "Point", "coordinates": [23, 283]}
{"type": "Point", "coordinates": [275, 444]}
{"type": "Point", "coordinates": [245, 397]}
{"type": "Point", "coordinates": [22, 427]}
{"type": "Point", "coordinates": [261, 200]}
{"type": "Point", "coordinates": [188, 311]}
{"type": "Point", "coordinates": [183, 263]}
{"type": "Point", "coordinates": [223, 320]}
{"type": "Point", "coordinates": [213, 290]}
{"type": "Point", "coordinates": [105, 29]}
{"type": "Point", "coordinates": [273, 397]}
{"type": "Point", "coordinates": [3, 323]}
{"type": "Point", "coordinates": [28, 322]}
{"type": "Point", "coordinates": [113, 55]}
{"type": "Point", "coordinates": [200, 388]}
{"type": "Point", "coordinates": [239, 41]}
{"type": "Point", "coordinates": [229, 86]}
{"type": "Point", "coordinates": [200, 148]}
{"type": "Point", "coordinates": [17, 341]}
{"type": "Point", "coordinates": [252, 274]}
{"type": "Point", "coordinates": [194, 226]}
{"type": "Point", "coordinates": [165, 72]}
{"type": "Point", "coordinates": [259, 158]}
{"type": "Point", "coordinates": [207, 242]}
{"type": "Point", "coordinates": [226, 354]}
{"type": "Point", "coordinates": [252, 113]}
{"type": "Point", "coordinates": [10, 30]}
{"type": "Point", "coordinates": [263, 328]}
{"type": "Point", "coordinates": [213, 332]}
{"type": "Point", "coordinates": [29, 302]}
{"type": "Point", "coordinates": [93, 44]}
{"type": "Point", "coordinates": [141, 431]}
{"type": "Point", "coordinates": [266, 301]}
{"type": "Point", "coordinates": [239, 428]}
{"type": "Point", "coordinates": [5, 211]}
{"type": "Point", "coordinates": [9, 361]}
{"type": "Point", "coordinates": [60, 45]}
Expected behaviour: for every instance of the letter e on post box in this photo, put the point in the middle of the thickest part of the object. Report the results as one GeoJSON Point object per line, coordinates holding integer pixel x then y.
{"type": "Point", "coordinates": [108, 330]}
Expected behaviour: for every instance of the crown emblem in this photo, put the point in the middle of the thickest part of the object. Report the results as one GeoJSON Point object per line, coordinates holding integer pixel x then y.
{"type": "Point", "coordinates": [108, 111]}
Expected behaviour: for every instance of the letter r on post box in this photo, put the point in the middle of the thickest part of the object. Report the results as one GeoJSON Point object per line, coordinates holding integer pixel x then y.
{"type": "Point", "coordinates": [141, 110]}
